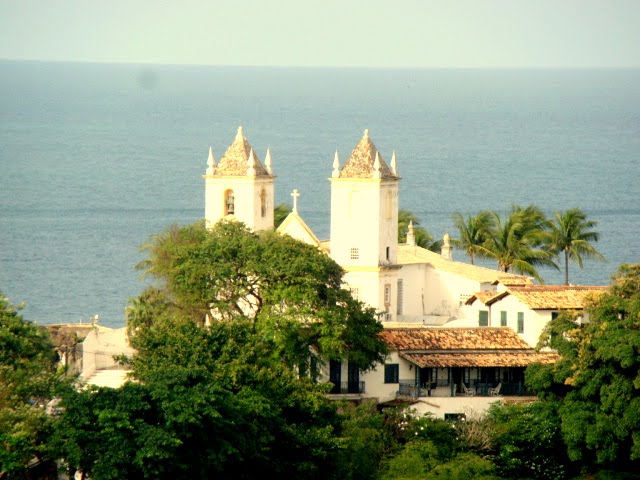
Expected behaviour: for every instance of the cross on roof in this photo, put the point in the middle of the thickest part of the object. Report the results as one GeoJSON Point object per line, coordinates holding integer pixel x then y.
{"type": "Point", "coordinates": [295, 196]}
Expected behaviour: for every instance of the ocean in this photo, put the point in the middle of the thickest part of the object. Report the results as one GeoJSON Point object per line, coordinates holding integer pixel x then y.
{"type": "Point", "coordinates": [96, 158]}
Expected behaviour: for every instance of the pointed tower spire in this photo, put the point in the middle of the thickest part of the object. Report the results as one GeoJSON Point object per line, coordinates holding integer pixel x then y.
{"type": "Point", "coordinates": [251, 170]}
{"type": "Point", "coordinates": [267, 162]}
{"type": "Point", "coordinates": [394, 166]}
{"type": "Point", "coordinates": [411, 236]}
{"type": "Point", "coordinates": [336, 166]}
{"type": "Point", "coordinates": [240, 134]}
{"type": "Point", "coordinates": [376, 166]}
{"type": "Point", "coordinates": [211, 163]}
{"type": "Point", "coordinates": [446, 250]}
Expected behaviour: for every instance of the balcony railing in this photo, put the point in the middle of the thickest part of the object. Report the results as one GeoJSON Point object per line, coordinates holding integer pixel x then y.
{"type": "Point", "coordinates": [441, 389]}
{"type": "Point", "coordinates": [347, 388]}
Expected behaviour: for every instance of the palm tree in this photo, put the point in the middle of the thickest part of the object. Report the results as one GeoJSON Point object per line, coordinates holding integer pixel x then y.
{"type": "Point", "coordinates": [517, 241]}
{"type": "Point", "coordinates": [473, 231]}
{"type": "Point", "coordinates": [423, 237]}
{"type": "Point", "coordinates": [571, 233]}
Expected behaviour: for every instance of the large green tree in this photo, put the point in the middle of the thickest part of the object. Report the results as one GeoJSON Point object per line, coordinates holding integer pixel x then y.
{"type": "Point", "coordinates": [28, 381]}
{"type": "Point", "coordinates": [597, 379]}
{"type": "Point", "coordinates": [571, 235]}
{"type": "Point", "coordinates": [290, 289]}
{"type": "Point", "coordinates": [228, 344]}
{"type": "Point", "coordinates": [518, 241]}
{"type": "Point", "coordinates": [473, 232]}
{"type": "Point", "coordinates": [207, 403]}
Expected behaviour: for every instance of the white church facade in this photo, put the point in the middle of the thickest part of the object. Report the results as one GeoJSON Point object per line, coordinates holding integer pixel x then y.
{"type": "Point", "coordinates": [447, 356]}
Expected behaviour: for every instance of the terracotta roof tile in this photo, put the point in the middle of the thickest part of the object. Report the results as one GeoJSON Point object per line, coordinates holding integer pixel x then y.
{"type": "Point", "coordinates": [235, 161]}
{"type": "Point", "coordinates": [512, 280]}
{"type": "Point", "coordinates": [483, 359]}
{"type": "Point", "coordinates": [550, 297]}
{"type": "Point", "coordinates": [484, 297]}
{"type": "Point", "coordinates": [362, 159]}
{"type": "Point", "coordinates": [435, 338]}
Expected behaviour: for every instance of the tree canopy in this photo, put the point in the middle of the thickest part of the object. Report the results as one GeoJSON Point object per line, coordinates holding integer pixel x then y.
{"type": "Point", "coordinates": [571, 235]}
{"type": "Point", "coordinates": [473, 233]}
{"type": "Point", "coordinates": [290, 289]}
{"type": "Point", "coordinates": [28, 381]}
{"type": "Point", "coordinates": [525, 238]}
{"type": "Point", "coordinates": [598, 376]}
{"type": "Point", "coordinates": [228, 345]}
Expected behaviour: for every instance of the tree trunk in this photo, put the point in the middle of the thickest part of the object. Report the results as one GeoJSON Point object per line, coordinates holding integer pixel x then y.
{"type": "Point", "coordinates": [566, 267]}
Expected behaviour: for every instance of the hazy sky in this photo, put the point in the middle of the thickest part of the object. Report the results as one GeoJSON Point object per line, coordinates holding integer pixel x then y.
{"type": "Point", "coordinates": [385, 33]}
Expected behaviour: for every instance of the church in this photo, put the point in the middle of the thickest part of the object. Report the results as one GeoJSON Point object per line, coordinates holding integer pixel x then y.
{"type": "Point", "coordinates": [461, 335]}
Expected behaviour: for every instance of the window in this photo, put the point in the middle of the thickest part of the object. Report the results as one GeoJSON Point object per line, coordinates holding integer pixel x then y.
{"type": "Point", "coordinates": [483, 318]}
{"type": "Point", "coordinates": [354, 254]}
{"type": "Point", "coordinates": [392, 373]}
{"type": "Point", "coordinates": [399, 294]}
{"type": "Point", "coordinates": [387, 294]}
{"type": "Point", "coordinates": [554, 315]}
{"type": "Point", "coordinates": [263, 203]}
{"type": "Point", "coordinates": [454, 417]}
{"type": "Point", "coordinates": [388, 253]}
{"type": "Point", "coordinates": [463, 298]}
{"type": "Point", "coordinates": [503, 319]}
{"type": "Point", "coordinates": [520, 322]}
{"type": "Point", "coordinates": [229, 202]}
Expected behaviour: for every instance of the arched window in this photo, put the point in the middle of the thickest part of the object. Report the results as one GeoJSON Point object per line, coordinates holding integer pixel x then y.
{"type": "Point", "coordinates": [263, 203]}
{"type": "Point", "coordinates": [229, 202]}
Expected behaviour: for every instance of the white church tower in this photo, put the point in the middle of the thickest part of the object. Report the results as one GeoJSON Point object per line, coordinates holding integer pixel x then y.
{"type": "Point", "coordinates": [240, 187]}
{"type": "Point", "coordinates": [364, 226]}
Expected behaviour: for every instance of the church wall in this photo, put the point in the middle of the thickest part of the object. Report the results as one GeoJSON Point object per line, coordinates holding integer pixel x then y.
{"type": "Point", "coordinates": [444, 292]}
{"type": "Point", "coordinates": [413, 285]}
{"type": "Point", "coordinates": [368, 285]}
{"type": "Point", "coordinates": [388, 223]}
{"type": "Point", "coordinates": [361, 219]}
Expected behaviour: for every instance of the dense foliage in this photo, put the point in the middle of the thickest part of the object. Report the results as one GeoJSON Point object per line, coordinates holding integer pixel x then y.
{"type": "Point", "coordinates": [598, 378]}
{"type": "Point", "coordinates": [28, 381]}
{"type": "Point", "coordinates": [223, 383]}
{"type": "Point", "coordinates": [228, 346]}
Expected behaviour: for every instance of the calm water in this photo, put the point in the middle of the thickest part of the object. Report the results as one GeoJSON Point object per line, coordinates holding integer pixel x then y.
{"type": "Point", "coordinates": [95, 158]}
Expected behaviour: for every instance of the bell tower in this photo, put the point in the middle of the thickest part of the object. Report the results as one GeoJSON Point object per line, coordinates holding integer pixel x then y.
{"type": "Point", "coordinates": [240, 187]}
{"type": "Point", "coordinates": [364, 224]}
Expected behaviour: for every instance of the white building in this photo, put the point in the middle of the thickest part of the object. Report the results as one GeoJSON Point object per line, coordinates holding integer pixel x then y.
{"type": "Point", "coordinates": [446, 355]}
{"type": "Point", "coordinates": [528, 308]}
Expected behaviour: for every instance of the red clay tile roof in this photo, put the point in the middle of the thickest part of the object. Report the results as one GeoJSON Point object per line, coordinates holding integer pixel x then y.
{"type": "Point", "coordinates": [361, 161]}
{"type": "Point", "coordinates": [464, 347]}
{"type": "Point", "coordinates": [448, 339]}
{"type": "Point", "coordinates": [484, 297]}
{"type": "Point", "coordinates": [480, 359]}
{"type": "Point", "coordinates": [551, 297]}
{"type": "Point", "coordinates": [514, 281]}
